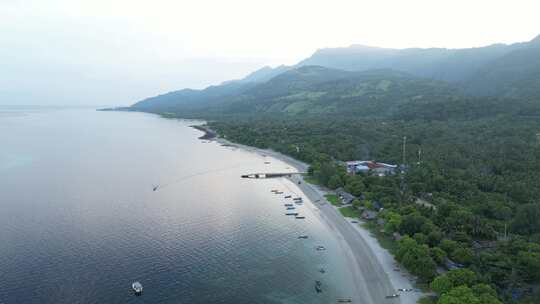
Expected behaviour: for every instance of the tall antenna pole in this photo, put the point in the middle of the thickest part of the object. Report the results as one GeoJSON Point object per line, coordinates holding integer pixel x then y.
{"type": "Point", "coordinates": [402, 173]}
{"type": "Point", "coordinates": [404, 144]}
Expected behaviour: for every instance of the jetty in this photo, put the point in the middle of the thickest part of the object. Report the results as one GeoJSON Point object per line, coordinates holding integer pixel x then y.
{"type": "Point", "coordinates": [270, 174]}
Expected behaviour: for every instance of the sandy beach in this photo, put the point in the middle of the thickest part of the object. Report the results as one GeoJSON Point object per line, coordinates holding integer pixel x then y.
{"type": "Point", "coordinates": [372, 267]}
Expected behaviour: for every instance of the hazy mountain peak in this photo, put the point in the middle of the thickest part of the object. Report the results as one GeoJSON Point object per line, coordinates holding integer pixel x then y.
{"type": "Point", "coordinates": [311, 68]}
{"type": "Point", "coordinates": [535, 40]}
{"type": "Point", "coordinates": [358, 71]}
{"type": "Point", "coordinates": [365, 47]}
{"type": "Point", "coordinates": [265, 73]}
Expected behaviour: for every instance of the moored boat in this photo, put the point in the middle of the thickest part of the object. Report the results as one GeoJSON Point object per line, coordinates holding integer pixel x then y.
{"type": "Point", "coordinates": [137, 287]}
{"type": "Point", "coordinates": [318, 286]}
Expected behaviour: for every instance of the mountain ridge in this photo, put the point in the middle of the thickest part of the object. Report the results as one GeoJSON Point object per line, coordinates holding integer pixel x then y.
{"type": "Point", "coordinates": [499, 70]}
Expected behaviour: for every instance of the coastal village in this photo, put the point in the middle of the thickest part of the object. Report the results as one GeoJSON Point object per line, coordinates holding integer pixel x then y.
{"type": "Point", "coordinates": [374, 223]}
{"type": "Point", "coordinates": [370, 210]}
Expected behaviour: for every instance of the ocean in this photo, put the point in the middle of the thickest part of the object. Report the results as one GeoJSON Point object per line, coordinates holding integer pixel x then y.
{"type": "Point", "coordinates": [79, 220]}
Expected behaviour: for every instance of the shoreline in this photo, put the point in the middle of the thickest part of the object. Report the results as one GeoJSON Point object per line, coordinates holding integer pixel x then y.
{"type": "Point", "coordinates": [371, 266]}
{"type": "Point", "coordinates": [208, 134]}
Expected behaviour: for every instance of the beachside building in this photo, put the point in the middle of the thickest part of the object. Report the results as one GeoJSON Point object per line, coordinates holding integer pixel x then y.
{"type": "Point", "coordinates": [363, 166]}
{"type": "Point", "coordinates": [451, 265]}
{"type": "Point", "coordinates": [484, 245]}
{"type": "Point", "coordinates": [345, 197]}
{"type": "Point", "coordinates": [377, 206]}
{"type": "Point", "coordinates": [369, 215]}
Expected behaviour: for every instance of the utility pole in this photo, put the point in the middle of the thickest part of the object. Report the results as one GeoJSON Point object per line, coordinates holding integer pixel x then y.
{"type": "Point", "coordinates": [419, 155]}
{"type": "Point", "coordinates": [404, 147]}
{"type": "Point", "coordinates": [402, 173]}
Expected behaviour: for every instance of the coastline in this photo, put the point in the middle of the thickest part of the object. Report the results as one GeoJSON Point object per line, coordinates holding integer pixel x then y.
{"type": "Point", "coordinates": [372, 267]}
{"type": "Point", "coordinates": [208, 134]}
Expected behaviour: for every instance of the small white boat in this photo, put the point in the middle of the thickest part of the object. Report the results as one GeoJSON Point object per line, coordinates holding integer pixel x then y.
{"type": "Point", "coordinates": [137, 287]}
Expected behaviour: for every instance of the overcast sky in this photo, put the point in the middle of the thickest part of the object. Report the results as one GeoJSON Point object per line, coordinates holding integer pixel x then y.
{"type": "Point", "coordinates": [107, 52]}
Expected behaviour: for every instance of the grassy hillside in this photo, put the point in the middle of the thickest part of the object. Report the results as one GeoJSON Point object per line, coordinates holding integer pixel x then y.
{"type": "Point", "coordinates": [495, 70]}
{"type": "Point", "coordinates": [308, 90]}
{"type": "Point", "coordinates": [516, 74]}
{"type": "Point", "coordinates": [452, 65]}
{"type": "Point", "coordinates": [188, 100]}
{"type": "Point", "coordinates": [318, 90]}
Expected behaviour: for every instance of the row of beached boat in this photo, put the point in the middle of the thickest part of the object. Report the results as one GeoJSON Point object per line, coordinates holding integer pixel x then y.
{"type": "Point", "coordinates": [290, 207]}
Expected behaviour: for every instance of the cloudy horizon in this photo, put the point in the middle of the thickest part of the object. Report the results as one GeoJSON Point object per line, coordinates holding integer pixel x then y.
{"type": "Point", "coordinates": [116, 53]}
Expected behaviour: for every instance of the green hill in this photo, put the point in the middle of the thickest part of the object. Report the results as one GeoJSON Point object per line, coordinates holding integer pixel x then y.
{"type": "Point", "coordinates": [359, 78]}
{"type": "Point", "coordinates": [319, 90]}
{"type": "Point", "coordinates": [189, 100]}
{"type": "Point", "coordinates": [304, 90]}
{"type": "Point", "coordinates": [497, 70]}
{"type": "Point", "coordinates": [516, 74]}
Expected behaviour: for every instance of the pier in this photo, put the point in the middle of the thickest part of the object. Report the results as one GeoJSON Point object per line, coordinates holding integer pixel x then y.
{"type": "Point", "coordinates": [270, 175]}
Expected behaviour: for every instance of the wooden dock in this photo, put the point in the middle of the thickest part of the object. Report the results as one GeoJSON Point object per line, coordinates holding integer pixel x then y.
{"type": "Point", "coordinates": [270, 175]}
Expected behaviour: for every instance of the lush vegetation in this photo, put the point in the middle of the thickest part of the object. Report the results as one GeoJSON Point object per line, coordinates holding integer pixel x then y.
{"type": "Point", "coordinates": [333, 199]}
{"type": "Point", "coordinates": [348, 211]}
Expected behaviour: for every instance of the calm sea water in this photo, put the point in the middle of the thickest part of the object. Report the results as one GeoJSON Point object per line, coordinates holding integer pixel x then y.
{"type": "Point", "coordinates": [79, 221]}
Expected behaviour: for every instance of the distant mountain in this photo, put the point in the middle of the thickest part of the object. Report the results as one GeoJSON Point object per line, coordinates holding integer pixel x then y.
{"type": "Point", "coordinates": [320, 90]}
{"type": "Point", "coordinates": [337, 78]}
{"type": "Point", "coordinates": [499, 69]}
{"type": "Point", "coordinates": [266, 73]}
{"type": "Point", "coordinates": [308, 90]}
{"type": "Point", "coordinates": [451, 65]}
{"type": "Point", "coordinates": [516, 74]}
{"type": "Point", "coordinates": [191, 100]}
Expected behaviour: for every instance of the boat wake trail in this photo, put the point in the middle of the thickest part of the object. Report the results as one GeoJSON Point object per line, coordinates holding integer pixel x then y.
{"type": "Point", "coordinates": [158, 187]}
